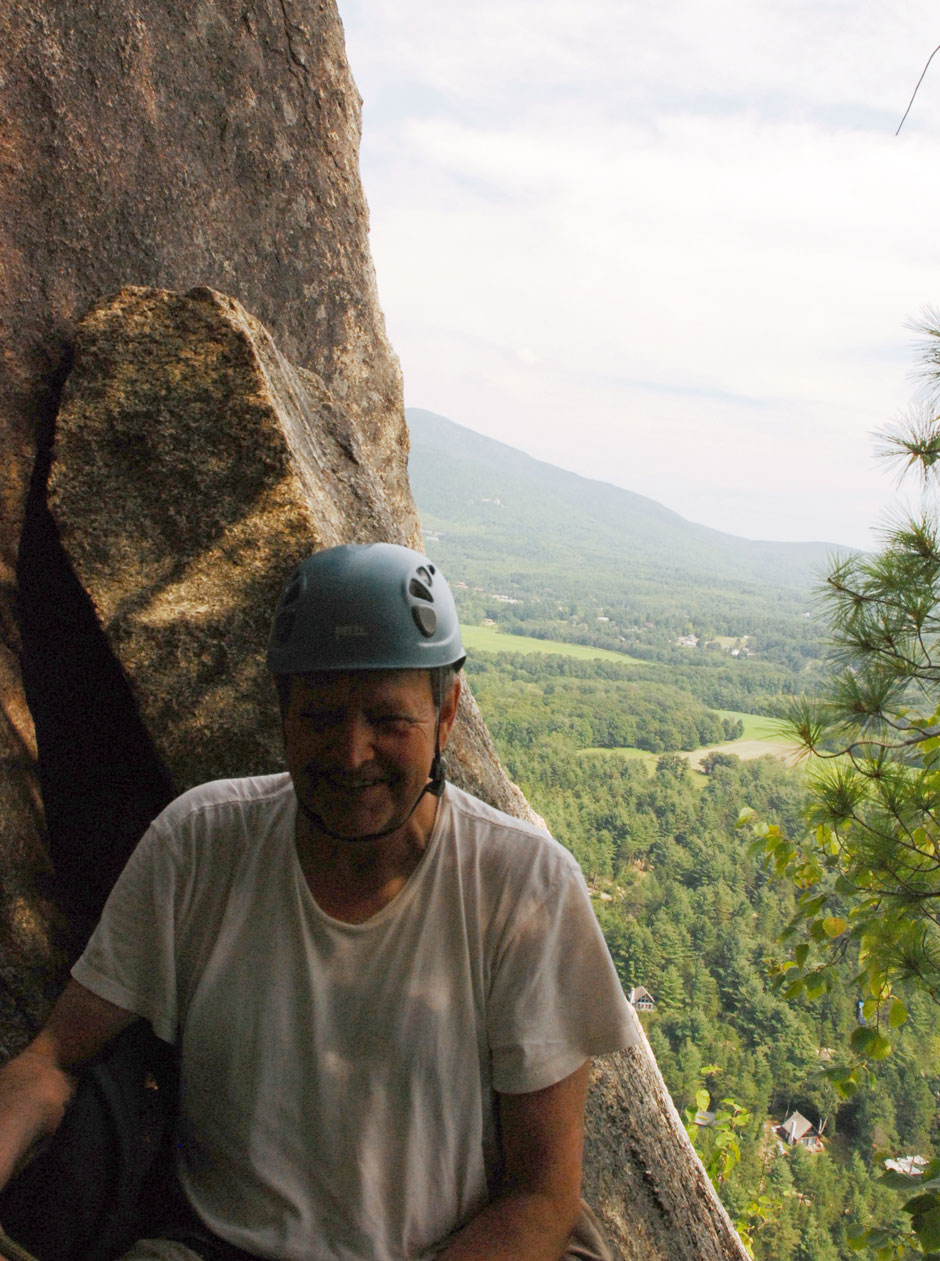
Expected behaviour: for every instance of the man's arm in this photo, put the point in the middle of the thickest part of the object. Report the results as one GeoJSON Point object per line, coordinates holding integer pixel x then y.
{"type": "Point", "coordinates": [536, 1210]}
{"type": "Point", "coordinates": [36, 1086]}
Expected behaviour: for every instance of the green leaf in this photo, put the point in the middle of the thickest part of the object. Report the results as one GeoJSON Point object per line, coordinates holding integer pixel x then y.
{"type": "Point", "coordinates": [845, 1087]}
{"type": "Point", "coordinates": [869, 1043]}
{"type": "Point", "coordinates": [927, 1228]}
{"type": "Point", "coordinates": [898, 1014]}
{"type": "Point", "coordinates": [877, 977]}
{"type": "Point", "coordinates": [881, 1048]}
{"type": "Point", "coordinates": [922, 1203]}
{"type": "Point", "coordinates": [816, 986]}
{"type": "Point", "coordinates": [862, 1039]}
{"type": "Point", "coordinates": [834, 925]}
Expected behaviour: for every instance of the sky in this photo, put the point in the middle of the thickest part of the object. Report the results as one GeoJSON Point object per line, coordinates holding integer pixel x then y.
{"type": "Point", "coordinates": [673, 245]}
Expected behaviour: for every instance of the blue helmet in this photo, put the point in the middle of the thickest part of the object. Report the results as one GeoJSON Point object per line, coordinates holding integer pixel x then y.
{"type": "Point", "coordinates": [365, 606]}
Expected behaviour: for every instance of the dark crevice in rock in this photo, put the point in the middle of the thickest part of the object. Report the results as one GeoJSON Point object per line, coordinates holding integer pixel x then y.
{"type": "Point", "coordinates": [102, 780]}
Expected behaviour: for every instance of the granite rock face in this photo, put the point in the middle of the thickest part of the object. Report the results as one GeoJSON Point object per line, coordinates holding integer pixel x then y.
{"type": "Point", "coordinates": [641, 1173]}
{"type": "Point", "coordinates": [213, 143]}
{"type": "Point", "coordinates": [193, 468]}
{"type": "Point", "coordinates": [157, 144]}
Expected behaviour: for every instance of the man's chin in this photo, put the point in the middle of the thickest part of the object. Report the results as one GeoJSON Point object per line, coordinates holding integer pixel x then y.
{"type": "Point", "coordinates": [354, 826]}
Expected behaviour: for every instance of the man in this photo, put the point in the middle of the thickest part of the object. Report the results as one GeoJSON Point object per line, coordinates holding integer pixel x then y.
{"type": "Point", "coordinates": [384, 994]}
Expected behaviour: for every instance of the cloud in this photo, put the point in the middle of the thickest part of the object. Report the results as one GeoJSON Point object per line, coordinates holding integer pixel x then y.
{"type": "Point", "coordinates": [675, 246]}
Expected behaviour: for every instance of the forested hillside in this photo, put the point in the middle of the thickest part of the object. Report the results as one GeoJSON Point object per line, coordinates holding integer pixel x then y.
{"type": "Point", "coordinates": [710, 629]}
{"type": "Point", "coordinates": [692, 918]}
{"type": "Point", "coordinates": [543, 551]}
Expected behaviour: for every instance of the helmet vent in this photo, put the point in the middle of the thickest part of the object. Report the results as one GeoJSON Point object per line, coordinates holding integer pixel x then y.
{"type": "Point", "coordinates": [419, 590]}
{"type": "Point", "coordinates": [425, 620]}
{"type": "Point", "coordinates": [425, 574]}
{"type": "Point", "coordinates": [291, 594]}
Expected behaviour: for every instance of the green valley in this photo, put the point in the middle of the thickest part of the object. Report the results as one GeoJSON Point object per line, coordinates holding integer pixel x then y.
{"type": "Point", "coordinates": [630, 667]}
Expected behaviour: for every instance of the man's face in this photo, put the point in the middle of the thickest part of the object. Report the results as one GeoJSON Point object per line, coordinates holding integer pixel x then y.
{"type": "Point", "coordinates": [359, 746]}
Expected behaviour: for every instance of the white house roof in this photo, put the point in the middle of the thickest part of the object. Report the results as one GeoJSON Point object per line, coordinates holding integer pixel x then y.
{"type": "Point", "coordinates": [796, 1127]}
{"type": "Point", "coordinates": [911, 1165]}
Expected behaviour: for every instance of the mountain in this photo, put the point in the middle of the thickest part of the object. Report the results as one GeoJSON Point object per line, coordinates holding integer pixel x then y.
{"type": "Point", "coordinates": [495, 517]}
{"type": "Point", "coordinates": [458, 475]}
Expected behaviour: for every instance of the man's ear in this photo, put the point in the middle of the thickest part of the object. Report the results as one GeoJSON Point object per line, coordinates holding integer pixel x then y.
{"type": "Point", "coordinates": [449, 711]}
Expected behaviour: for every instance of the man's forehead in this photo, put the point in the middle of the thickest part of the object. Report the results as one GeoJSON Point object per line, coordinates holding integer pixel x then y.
{"type": "Point", "coordinates": [339, 685]}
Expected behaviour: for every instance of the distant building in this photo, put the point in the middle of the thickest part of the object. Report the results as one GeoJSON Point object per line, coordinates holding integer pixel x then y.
{"type": "Point", "coordinates": [797, 1130]}
{"type": "Point", "coordinates": [913, 1166]}
{"type": "Point", "coordinates": [642, 999]}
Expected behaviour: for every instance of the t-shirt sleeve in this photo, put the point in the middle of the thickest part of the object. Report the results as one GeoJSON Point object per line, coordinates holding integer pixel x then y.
{"type": "Point", "coordinates": [129, 959]}
{"type": "Point", "coordinates": [556, 999]}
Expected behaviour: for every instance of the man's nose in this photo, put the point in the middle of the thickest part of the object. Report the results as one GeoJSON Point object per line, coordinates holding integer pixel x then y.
{"type": "Point", "coordinates": [352, 742]}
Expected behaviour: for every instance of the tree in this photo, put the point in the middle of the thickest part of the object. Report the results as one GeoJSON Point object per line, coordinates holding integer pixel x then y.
{"type": "Point", "coordinates": [869, 870]}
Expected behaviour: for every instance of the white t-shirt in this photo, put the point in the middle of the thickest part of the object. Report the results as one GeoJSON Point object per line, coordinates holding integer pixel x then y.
{"type": "Point", "coordinates": [337, 1079]}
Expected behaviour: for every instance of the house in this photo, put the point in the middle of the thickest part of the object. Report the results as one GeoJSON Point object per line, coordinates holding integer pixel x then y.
{"type": "Point", "coordinates": [642, 999]}
{"type": "Point", "coordinates": [913, 1166]}
{"type": "Point", "coordinates": [797, 1130]}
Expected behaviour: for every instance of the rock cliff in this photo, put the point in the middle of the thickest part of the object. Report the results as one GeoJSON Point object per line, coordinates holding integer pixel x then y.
{"type": "Point", "coordinates": [193, 467]}
{"type": "Point", "coordinates": [150, 143]}
{"type": "Point", "coordinates": [160, 156]}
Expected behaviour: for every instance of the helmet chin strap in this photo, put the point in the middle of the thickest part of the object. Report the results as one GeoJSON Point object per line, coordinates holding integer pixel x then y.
{"type": "Point", "coordinates": [434, 788]}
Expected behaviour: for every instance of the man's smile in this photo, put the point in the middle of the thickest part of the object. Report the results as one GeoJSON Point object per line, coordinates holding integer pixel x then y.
{"type": "Point", "coordinates": [344, 783]}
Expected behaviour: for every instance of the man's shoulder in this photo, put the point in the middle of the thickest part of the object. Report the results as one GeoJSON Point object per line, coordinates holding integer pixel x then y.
{"type": "Point", "coordinates": [477, 823]}
{"type": "Point", "coordinates": [479, 811]}
{"type": "Point", "coordinates": [228, 797]}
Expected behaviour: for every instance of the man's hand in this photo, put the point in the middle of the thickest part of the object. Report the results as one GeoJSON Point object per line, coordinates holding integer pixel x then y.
{"type": "Point", "coordinates": [543, 1140]}
{"type": "Point", "coordinates": [36, 1086]}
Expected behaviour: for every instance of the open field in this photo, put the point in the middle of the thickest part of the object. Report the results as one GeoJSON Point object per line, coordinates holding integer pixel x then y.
{"type": "Point", "coordinates": [762, 736]}
{"type": "Point", "coordinates": [746, 748]}
{"type": "Point", "coordinates": [489, 639]}
{"type": "Point", "coordinates": [756, 726]}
